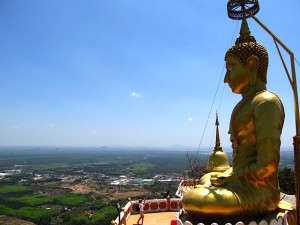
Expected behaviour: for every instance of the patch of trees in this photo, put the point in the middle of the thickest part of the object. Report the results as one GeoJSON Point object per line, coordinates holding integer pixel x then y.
{"type": "Point", "coordinates": [21, 202]}
{"type": "Point", "coordinates": [103, 216]}
{"type": "Point", "coordinates": [287, 180]}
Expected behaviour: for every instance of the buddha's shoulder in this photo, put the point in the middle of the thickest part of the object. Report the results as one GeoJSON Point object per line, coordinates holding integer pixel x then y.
{"type": "Point", "coordinates": [266, 96]}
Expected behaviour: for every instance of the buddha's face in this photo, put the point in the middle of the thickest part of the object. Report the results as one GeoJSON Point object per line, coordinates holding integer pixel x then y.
{"type": "Point", "coordinates": [237, 75]}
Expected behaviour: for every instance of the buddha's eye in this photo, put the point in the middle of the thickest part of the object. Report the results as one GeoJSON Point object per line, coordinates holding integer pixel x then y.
{"type": "Point", "coordinates": [229, 68]}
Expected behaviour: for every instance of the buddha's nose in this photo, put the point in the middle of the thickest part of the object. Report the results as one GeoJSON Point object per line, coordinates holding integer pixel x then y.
{"type": "Point", "coordinates": [227, 77]}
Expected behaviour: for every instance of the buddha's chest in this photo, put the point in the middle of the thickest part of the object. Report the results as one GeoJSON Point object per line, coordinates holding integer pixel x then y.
{"type": "Point", "coordinates": [243, 121]}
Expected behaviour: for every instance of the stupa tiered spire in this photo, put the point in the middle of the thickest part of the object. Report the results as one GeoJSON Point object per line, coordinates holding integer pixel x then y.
{"type": "Point", "coordinates": [217, 161]}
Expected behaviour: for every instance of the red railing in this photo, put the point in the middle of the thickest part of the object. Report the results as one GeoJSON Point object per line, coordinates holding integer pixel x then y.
{"type": "Point", "coordinates": [153, 205]}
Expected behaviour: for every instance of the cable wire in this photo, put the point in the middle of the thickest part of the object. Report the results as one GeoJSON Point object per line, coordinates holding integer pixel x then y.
{"type": "Point", "coordinates": [214, 98]}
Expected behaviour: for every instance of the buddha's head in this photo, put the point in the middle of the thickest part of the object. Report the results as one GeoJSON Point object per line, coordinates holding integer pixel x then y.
{"type": "Point", "coordinates": [250, 55]}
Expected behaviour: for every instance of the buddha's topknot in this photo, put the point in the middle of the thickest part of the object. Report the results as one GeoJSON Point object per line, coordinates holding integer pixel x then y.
{"type": "Point", "coordinates": [246, 46]}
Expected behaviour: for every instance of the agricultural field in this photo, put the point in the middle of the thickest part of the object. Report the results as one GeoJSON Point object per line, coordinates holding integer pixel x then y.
{"type": "Point", "coordinates": [82, 186]}
{"type": "Point", "coordinates": [73, 186]}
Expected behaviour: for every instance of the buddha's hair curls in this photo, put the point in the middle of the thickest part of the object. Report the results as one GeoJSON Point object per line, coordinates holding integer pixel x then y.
{"type": "Point", "coordinates": [246, 46]}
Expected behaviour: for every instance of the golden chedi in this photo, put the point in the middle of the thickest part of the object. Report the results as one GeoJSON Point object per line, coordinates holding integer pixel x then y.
{"type": "Point", "coordinates": [217, 161]}
{"type": "Point", "coordinates": [250, 186]}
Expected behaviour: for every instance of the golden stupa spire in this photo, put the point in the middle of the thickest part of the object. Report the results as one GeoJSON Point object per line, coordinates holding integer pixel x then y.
{"type": "Point", "coordinates": [218, 143]}
{"type": "Point", "coordinates": [217, 161]}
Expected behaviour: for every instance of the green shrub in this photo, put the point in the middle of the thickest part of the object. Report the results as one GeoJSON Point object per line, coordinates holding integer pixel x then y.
{"type": "Point", "coordinates": [32, 200]}
{"type": "Point", "coordinates": [287, 180]}
{"type": "Point", "coordinates": [11, 203]}
{"type": "Point", "coordinates": [104, 216]}
{"type": "Point", "coordinates": [98, 205]}
{"type": "Point", "coordinates": [7, 211]}
{"type": "Point", "coordinates": [11, 189]}
{"type": "Point", "coordinates": [71, 199]}
{"type": "Point", "coordinates": [37, 215]}
{"type": "Point", "coordinates": [141, 168]}
{"type": "Point", "coordinates": [72, 219]}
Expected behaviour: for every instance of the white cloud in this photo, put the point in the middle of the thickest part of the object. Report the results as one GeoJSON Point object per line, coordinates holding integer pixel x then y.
{"type": "Point", "coordinates": [94, 132]}
{"type": "Point", "coordinates": [15, 127]}
{"type": "Point", "coordinates": [136, 95]}
{"type": "Point", "coordinates": [51, 125]}
{"type": "Point", "coordinates": [190, 119]}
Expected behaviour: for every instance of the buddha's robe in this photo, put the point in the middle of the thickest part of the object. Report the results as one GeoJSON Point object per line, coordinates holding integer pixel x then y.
{"type": "Point", "coordinates": [252, 185]}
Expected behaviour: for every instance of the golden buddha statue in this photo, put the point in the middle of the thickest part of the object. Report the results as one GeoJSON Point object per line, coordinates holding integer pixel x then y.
{"type": "Point", "coordinates": [250, 186]}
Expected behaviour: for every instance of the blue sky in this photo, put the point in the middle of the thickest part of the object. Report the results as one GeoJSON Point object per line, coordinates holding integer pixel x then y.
{"type": "Point", "coordinates": [129, 72]}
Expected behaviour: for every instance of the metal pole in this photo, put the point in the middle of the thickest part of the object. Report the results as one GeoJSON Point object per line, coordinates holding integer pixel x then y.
{"type": "Point", "coordinates": [296, 162]}
{"type": "Point", "coordinates": [294, 82]}
{"type": "Point", "coordinates": [296, 139]}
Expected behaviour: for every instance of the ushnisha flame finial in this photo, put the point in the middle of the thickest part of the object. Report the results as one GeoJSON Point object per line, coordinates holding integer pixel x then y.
{"type": "Point", "coordinates": [245, 32]}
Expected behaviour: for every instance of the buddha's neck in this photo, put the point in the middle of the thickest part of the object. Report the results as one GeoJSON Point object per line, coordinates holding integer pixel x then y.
{"type": "Point", "coordinates": [254, 89]}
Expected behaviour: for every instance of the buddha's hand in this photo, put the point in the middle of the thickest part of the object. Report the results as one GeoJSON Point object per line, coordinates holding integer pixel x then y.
{"type": "Point", "coordinates": [218, 181]}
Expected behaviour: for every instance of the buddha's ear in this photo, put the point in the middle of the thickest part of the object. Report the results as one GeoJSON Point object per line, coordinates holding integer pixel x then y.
{"type": "Point", "coordinates": [252, 64]}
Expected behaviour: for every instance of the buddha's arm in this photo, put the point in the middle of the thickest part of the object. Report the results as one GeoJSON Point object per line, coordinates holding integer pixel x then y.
{"type": "Point", "coordinates": [205, 180]}
{"type": "Point", "coordinates": [268, 121]}
{"type": "Point", "coordinates": [222, 179]}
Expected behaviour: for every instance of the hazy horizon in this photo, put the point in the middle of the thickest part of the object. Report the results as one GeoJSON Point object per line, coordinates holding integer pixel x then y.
{"type": "Point", "coordinates": [181, 148]}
